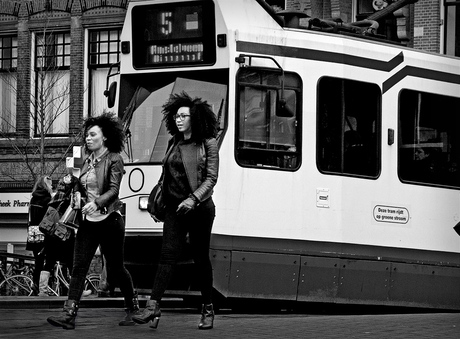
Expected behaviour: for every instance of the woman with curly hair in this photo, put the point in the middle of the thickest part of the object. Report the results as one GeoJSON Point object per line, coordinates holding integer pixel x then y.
{"type": "Point", "coordinates": [102, 222]}
{"type": "Point", "coordinates": [190, 170]}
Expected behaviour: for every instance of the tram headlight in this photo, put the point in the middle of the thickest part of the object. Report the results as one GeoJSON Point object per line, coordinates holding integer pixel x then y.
{"type": "Point", "coordinates": [143, 202]}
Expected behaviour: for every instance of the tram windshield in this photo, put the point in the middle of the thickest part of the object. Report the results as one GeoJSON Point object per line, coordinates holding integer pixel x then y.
{"type": "Point", "coordinates": [144, 126]}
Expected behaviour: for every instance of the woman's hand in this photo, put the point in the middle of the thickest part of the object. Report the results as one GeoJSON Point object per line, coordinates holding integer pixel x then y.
{"type": "Point", "coordinates": [89, 208]}
{"type": "Point", "coordinates": [186, 206]}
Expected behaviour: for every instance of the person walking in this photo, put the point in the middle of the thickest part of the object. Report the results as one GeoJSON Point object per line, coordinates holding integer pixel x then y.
{"type": "Point", "coordinates": [190, 171]}
{"type": "Point", "coordinates": [41, 196]}
{"type": "Point", "coordinates": [102, 223]}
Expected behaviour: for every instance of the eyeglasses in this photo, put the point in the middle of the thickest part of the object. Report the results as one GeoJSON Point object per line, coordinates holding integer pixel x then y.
{"type": "Point", "coordinates": [180, 116]}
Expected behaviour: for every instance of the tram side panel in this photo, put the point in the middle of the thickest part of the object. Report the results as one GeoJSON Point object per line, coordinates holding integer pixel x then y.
{"type": "Point", "coordinates": [273, 222]}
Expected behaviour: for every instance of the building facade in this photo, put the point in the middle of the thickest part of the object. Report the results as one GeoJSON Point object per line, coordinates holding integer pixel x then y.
{"type": "Point", "coordinates": [55, 56]}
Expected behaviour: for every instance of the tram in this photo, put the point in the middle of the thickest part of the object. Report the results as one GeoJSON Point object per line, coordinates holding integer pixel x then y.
{"type": "Point", "coordinates": [339, 152]}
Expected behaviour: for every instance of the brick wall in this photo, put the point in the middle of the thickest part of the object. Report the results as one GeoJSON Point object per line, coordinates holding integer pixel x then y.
{"type": "Point", "coordinates": [427, 20]}
{"type": "Point", "coordinates": [25, 23]}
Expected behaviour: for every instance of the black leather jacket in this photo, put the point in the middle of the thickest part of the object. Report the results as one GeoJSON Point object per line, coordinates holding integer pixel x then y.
{"type": "Point", "coordinates": [201, 162]}
{"type": "Point", "coordinates": [109, 172]}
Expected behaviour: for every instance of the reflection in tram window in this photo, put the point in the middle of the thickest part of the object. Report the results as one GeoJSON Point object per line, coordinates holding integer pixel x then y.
{"type": "Point", "coordinates": [348, 127]}
{"type": "Point", "coordinates": [429, 144]}
{"type": "Point", "coordinates": [268, 119]}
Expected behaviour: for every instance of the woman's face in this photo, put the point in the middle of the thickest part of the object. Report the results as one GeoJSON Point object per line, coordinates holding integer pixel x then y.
{"type": "Point", "coordinates": [94, 138]}
{"type": "Point", "coordinates": [185, 125]}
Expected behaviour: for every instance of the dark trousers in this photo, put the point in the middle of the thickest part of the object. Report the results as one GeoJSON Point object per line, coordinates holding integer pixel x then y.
{"type": "Point", "coordinates": [110, 235]}
{"type": "Point", "coordinates": [198, 224]}
{"type": "Point", "coordinates": [39, 263]}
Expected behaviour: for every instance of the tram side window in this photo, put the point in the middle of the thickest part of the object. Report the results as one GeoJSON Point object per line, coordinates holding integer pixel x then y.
{"type": "Point", "coordinates": [268, 113]}
{"type": "Point", "coordinates": [348, 118]}
{"type": "Point", "coordinates": [429, 142]}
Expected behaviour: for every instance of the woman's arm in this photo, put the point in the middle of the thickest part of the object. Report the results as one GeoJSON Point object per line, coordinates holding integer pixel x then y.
{"type": "Point", "coordinates": [204, 191]}
{"type": "Point", "coordinates": [111, 182]}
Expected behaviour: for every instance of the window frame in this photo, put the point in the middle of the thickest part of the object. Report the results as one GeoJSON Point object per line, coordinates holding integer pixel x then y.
{"type": "Point", "coordinates": [97, 52]}
{"type": "Point", "coordinates": [9, 56]}
{"type": "Point", "coordinates": [289, 156]}
{"type": "Point", "coordinates": [55, 58]}
{"type": "Point", "coordinates": [97, 49]}
{"type": "Point", "coordinates": [448, 5]}
{"type": "Point", "coordinates": [343, 120]}
{"type": "Point", "coordinates": [13, 57]}
{"type": "Point", "coordinates": [407, 172]}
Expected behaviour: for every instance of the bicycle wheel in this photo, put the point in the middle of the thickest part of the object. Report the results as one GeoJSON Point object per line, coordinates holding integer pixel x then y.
{"type": "Point", "coordinates": [54, 286]}
{"type": "Point", "coordinates": [16, 285]}
{"type": "Point", "coordinates": [92, 282]}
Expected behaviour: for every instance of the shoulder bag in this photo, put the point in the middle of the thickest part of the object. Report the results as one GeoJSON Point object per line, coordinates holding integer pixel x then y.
{"type": "Point", "coordinates": [156, 205]}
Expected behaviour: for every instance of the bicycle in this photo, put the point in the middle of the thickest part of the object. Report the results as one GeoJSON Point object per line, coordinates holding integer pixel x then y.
{"type": "Point", "coordinates": [59, 284]}
{"type": "Point", "coordinates": [16, 282]}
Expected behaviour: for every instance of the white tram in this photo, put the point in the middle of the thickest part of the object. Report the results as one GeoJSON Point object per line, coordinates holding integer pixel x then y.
{"type": "Point", "coordinates": [323, 194]}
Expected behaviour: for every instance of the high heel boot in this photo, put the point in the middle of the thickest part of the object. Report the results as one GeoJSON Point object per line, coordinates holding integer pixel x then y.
{"type": "Point", "coordinates": [207, 317]}
{"type": "Point", "coordinates": [67, 319]}
{"type": "Point", "coordinates": [131, 309]}
{"type": "Point", "coordinates": [150, 313]}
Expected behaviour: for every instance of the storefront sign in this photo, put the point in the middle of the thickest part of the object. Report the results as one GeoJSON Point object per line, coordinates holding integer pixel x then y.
{"type": "Point", "coordinates": [14, 202]}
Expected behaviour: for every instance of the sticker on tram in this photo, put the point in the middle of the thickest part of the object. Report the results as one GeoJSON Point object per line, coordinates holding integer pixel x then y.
{"type": "Point", "coordinates": [398, 215]}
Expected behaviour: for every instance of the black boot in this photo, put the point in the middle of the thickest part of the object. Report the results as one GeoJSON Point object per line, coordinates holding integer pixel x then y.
{"type": "Point", "coordinates": [131, 309]}
{"type": "Point", "coordinates": [207, 317]}
{"type": "Point", "coordinates": [67, 319]}
{"type": "Point", "coordinates": [151, 313]}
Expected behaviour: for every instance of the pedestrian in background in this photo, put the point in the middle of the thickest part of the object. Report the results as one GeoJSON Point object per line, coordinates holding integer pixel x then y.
{"type": "Point", "coordinates": [190, 170]}
{"type": "Point", "coordinates": [102, 223]}
{"type": "Point", "coordinates": [41, 196]}
{"type": "Point", "coordinates": [56, 249]}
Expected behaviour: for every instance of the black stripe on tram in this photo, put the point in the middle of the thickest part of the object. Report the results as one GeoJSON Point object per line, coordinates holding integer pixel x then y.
{"type": "Point", "coordinates": [387, 66]}
{"type": "Point", "coordinates": [420, 73]}
{"type": "Point", "coordinates": [311, 54]}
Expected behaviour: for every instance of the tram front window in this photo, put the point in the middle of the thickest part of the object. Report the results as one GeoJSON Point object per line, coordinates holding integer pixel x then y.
{"type": "Point", "coordinates": [147, 134]}
{"type": "Point", "coordinates": [268, 119]}
{"type": "Point", "coordinates": [429, 143]}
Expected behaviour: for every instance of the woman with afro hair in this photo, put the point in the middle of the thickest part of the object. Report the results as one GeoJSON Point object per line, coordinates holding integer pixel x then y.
{"type": "Point", "coordinates": [102, 223]}
{"type": "Point", "coordinates": [190, 170]}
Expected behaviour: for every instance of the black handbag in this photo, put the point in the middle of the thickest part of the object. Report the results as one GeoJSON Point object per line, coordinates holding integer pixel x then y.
{"type": "Point", "coordinates": [50, 225]}
{"type": "Point", "coordinates": [156, 205]}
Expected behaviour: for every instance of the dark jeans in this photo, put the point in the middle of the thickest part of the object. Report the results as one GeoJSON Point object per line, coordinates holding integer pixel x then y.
{"type": "Point", "coordinates": [110, 235]}
{"type": "Point", "coordinates": [198, 224]}
{"type": "Point", "coordinates": [57, 250]}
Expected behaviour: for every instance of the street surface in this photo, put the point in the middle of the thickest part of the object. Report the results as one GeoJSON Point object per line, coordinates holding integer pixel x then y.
{"type": "Point", "coordinates": [19, 320]}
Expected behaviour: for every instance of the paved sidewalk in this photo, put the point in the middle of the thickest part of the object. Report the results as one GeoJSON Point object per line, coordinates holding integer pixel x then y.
{"type": "Point", "coordinates": [102, 323]}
